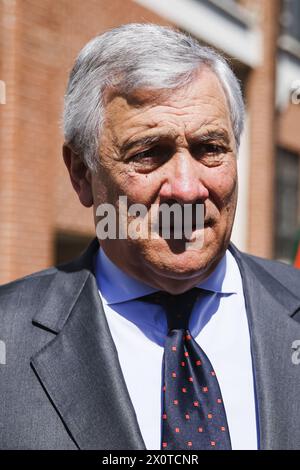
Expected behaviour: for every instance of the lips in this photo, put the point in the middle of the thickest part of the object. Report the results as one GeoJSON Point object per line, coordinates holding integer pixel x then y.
{"type": "Point", "coordinates": [180, 222]}
{"type": "Point", "coordinates": [207, 223]}
{"type": "Point", "coordinates": [183, 232]}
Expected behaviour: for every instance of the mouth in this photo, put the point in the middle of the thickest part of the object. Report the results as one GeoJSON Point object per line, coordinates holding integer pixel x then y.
{"type": "Point", "coordinates": [183, 231]}
{"type": "Point", "coordinates": [181, 222]}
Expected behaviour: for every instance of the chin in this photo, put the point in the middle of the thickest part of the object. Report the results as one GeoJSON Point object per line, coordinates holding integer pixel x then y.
{"type": "Point", "coordinates": [172, 260]}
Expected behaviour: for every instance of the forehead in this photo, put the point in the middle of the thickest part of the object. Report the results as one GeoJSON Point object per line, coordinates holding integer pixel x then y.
{"type": "Point", "coordinates": [199, 105]}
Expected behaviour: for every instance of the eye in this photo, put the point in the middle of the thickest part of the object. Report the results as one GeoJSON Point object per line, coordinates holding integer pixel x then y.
{"type": "Point", "coordinates": [208, 149]}
{"type": "Point", "coordinates": [209, 153]}
{"type": "Point", "coordinates": [151, 158]}
{"type": "Point", "coordinates": [143, 155]}
{"type": "Point", "coordinates": [214, 149]}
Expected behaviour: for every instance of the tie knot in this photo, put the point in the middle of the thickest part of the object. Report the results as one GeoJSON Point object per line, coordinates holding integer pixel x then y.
{"type": "Point", "coordinates": [178, 308]}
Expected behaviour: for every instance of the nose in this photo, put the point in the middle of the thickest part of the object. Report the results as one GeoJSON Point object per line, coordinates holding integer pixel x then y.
{"type": "Point", "coordinates": [184, 182]}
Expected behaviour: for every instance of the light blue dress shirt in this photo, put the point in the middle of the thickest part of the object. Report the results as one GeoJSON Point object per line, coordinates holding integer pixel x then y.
{"type": "Point", "coordinates": [219, 325]}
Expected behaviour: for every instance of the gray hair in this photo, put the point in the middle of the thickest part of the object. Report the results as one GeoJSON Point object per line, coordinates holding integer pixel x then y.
{"type": "Point", "coordinates": [130, 57]}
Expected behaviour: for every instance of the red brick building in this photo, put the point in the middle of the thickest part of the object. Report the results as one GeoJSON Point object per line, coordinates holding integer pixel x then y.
{"type": "Point", "coordinates": [41, 220]}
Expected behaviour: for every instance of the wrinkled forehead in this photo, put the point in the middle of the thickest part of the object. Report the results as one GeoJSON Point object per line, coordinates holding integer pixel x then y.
{"type": "Point", "coordinates": [200, 102]}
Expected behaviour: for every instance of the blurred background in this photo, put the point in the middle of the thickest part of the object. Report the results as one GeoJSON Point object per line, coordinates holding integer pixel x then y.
{"type": "Point", "coordinates": [41, 220]}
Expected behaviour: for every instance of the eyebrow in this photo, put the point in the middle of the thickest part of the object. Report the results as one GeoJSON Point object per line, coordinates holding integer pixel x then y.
{"type": "Point", "coordinates": [211, 135]}
{"type": "Point", "coordinates": [207, 136]}
{"type": "Point", "coordinates": [145, 141]}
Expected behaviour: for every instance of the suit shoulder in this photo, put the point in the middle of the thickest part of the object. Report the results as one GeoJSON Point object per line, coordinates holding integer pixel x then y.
{"type": "Point", "coordinates": [18, 295]}
{"type": "Point", "coordinates": [270, 265]}
{"type": "Point", "coordinates": [24, 297]}
{"type": "Point", "coordinates": [282, 272]}
{"type": "Point", "coordinates": [26, 282]}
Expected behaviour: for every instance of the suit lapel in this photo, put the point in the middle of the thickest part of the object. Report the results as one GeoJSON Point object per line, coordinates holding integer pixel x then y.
{"type": "Point", "coordinates": [80, 371]}
{"type": "Point", "coordinates": [269, 308]}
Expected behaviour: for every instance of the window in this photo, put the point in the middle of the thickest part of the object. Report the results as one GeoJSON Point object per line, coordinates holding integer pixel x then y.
{"type": "Point", "coordinates": [290, 18]}
{"type": "Point", "coordinates": [287, 204]}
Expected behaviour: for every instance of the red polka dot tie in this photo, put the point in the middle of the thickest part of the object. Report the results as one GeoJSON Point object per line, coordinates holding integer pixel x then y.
{"type": "Point", "coordinates": [193, 414]}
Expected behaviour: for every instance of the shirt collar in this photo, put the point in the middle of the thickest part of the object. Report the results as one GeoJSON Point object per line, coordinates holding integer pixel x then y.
{"type": "Point", "coordinates": [116, 286]}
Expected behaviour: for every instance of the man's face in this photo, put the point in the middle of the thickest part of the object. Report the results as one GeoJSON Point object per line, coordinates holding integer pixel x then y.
{"type": "Point", "coordinates": [169, 148]}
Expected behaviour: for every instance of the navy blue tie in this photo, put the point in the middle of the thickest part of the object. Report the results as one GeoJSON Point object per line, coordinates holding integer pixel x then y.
{"type": "Point", "coordinates": [193, 415]}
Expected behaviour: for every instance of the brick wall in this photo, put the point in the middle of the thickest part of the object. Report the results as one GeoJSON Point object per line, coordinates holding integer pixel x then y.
{"type": "Point", "coordinates": [260, 96]}
{"type": "Point", "coordinates": [38, 43]}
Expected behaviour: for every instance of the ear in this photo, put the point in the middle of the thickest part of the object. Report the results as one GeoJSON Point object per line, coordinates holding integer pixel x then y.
{"type": "Point", "coordinates": [80, 175]}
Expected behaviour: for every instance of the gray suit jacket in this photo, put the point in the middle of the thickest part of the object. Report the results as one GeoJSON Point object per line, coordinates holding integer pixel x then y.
{"type": "Point", "coordinates": [62, 386]}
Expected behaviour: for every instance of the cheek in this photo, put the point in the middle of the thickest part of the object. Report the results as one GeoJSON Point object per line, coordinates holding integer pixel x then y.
{"type": "Point", "coordinates": [138, 188]}
{"type": "Point", "coordinates": [224, 183]}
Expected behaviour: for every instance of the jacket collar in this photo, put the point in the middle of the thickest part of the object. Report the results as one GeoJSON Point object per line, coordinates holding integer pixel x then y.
{"type": "Point", "coordinates": [67, 284]}
{"type": "Point", "coordinates": [80, 370]}
{"type": "Point", "coordinates": [270, 306]}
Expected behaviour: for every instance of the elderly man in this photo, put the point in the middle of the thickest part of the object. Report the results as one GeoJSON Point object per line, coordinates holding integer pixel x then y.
{"type": "Point", "coordinates": [152, 341]}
